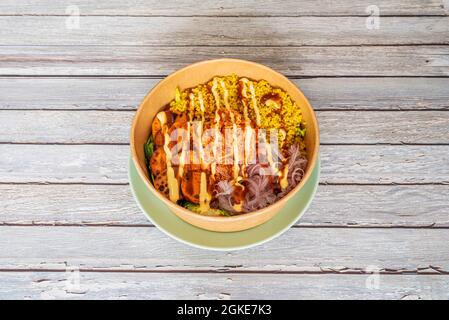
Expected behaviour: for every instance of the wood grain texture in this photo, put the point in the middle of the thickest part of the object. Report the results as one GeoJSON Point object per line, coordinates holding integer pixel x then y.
{"type": "Point", "coordinates": [76, 93]}
{"type": "Point", "coordinates": [376, 93]}
{"type": "Point", "coordinates": [126, 93]}
{"type": "Point", "coordinates": [414, 61]}
{"type": "Point", "coordinates": [348, 164]}
{"type": "Point", "coordinates": [386, 164]}
{"type": "Point", "coordinates": [333, 206]}
{"type": "Point", "coordinates": [372, 127]}
{"type": "Point", "coordinates": [65, 126]}
{"type": "Point", "coordinates": [64, 285]}
{"type": "Point", "coordinates": [303, 250]}
{"type": "Point", "coordinates": [64, 164]}
{"type": "Point", "coordinates": [223, 8]}
{"type": "Point", "coordinates": [351, 127]}
{"type": "Point", "coordinates": [222, 31]}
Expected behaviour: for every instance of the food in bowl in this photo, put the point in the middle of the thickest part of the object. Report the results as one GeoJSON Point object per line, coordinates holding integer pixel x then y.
{"type": "Point", "coordinates": [227, 147]}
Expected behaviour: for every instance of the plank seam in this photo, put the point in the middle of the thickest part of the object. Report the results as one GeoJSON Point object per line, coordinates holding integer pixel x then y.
{"type": "Point", "coordinates": [133, 109]}
{"type": "Point", "coordinates": [384, 184]}
{"type": "Point", "coordinates": [161, 77]}
{"type": "Point", "coordinates": [365, 15]}
{"type": "Point", "coordinates": [127, 144]}
{"type": "Point", "coordinates": [65, 143]}
{"type": "Point", "coordinates": [45, 183]}
{"type": "Point", "coordinates": [432, 226]}
{"type": "Point", "coordinates": [79, 183]}
{"type": "Point", "coordinates": [228, 270]}
{"type": "Point", "coordinates": [419, 44]}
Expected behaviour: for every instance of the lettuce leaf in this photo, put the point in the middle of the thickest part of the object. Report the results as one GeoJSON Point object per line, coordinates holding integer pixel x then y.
{"type": "Point", "coordinates": [149, 150]}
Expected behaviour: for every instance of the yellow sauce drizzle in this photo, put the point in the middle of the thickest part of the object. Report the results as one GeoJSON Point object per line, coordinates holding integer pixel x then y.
{"type": "Point", "coordinates": [248, 129]}
{"type": "Point", "coordinates": [249, 132]}
{"type": "Point", "coordinates": [270, 157]}
{"type": "Point", "coordinates": [173, 186]}
{"type": "Point", "coordinates": [202, 109]}
{"type": "Point", "coordinates": [192, 106]}
{"type": "Point", "coordinates": [200, 129]}
{"type": "Point", "coordinates": [216, 124]}
{"type": "Point", "coordinates": [253, 98]}
{"type": "Point", "coordinates": [204, 195]}
{"type": "Point", "coordinates": [245, 106]}
{"type": "Point", "coordinates": [247, 147]}
{"type": "Point", "coordinates": [284, 181]}
{"type": "Point", "coordinates": [256, 111]}
{"type": "Point", "coordinates": [235, 147]}
{"type": "Point", "coordinates": [162, 117]}
{"type": "Point", "coordinates": [184, 152]}
{"type": "Point", "coordinates": [238, 207]}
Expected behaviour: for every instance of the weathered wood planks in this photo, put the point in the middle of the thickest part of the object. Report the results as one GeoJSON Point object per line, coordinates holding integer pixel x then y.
{"type": "Point", "coordinates": [68, 93]}
{"type": "Point", "coordinates": [351, 127]}
{"type": "Point", "coordinates": [378, 206]}
{"type": "Point", "coordinates": [347, 164]}
{"type": "Point", "coordinates": [416, 61]}
{"type": "Point", "coordinates": [113, 285]}
{"type": "Point", "coordinates": [343, 250]}
{"type": "Point", "coordinates": [333, 206]}
{"type": "Point", "coordinates": [226, 8]}
{"type": "Point", "coordinates": [222, 31]}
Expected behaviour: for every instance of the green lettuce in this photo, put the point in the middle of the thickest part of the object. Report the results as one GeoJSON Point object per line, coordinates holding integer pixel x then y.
{"type": "Point", "coordinates": [149, 150]}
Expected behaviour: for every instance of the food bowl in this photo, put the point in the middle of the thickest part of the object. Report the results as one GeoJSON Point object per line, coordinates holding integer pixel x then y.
{"type": "Point", "coordinates": [202, 72]}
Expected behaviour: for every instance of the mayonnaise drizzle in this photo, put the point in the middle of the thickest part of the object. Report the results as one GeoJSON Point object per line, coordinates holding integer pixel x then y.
{"type": "Point", "coordinates": [199, 132]}
{"type": "Point", "coordinates": [253, 98]}
{"type": "Point", "coordinates": [270, 157]}
{"type": "Point", "coordinates": [235, 146]}
{"type": "Point", "coordinates": [238, 207]}
{"type": "Point", "coordinates": [254, 101]}
{"type": "Point", "coordinates": [184, 151]}
{"type": "Point", "coordinates": [192, 106]}
{"type": "Point", "coordinates": [247, 147]}
{"type": "Point", "coordinates": [204, 195]}
{"type": "Point", "coordinates": [201, 101]}
{"type": "Point", "coordinates": [216, 125]}
{"type": "Point", "coordinates": [284, 181]}
{"type": "Point", "coordinates": [162, 117]}
{"type": "Point", "coordinates": [173, 186]}
{"type": "Point", "coordinates": [244, 102]}
{"type": "Point", "coordinates": [248, 129]}
{"type": "Point", "coordinates": [250, 99]}
{"type": "Point", "coordinates": [257, 113]}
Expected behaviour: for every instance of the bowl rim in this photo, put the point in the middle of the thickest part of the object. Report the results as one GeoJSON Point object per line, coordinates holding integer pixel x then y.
{"type": "Point", "coordinates": [241, 217]}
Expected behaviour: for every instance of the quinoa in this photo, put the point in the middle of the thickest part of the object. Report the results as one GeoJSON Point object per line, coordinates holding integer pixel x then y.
{"type": "Point", "coordinates": [284, 116]}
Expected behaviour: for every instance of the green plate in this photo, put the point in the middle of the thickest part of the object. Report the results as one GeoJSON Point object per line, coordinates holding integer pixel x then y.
{"type": "Point", "coordinates": [159, 214]}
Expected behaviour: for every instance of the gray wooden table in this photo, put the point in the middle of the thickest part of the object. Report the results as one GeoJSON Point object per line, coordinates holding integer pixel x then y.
{"type": "Point", "coordinates": [69, 86]}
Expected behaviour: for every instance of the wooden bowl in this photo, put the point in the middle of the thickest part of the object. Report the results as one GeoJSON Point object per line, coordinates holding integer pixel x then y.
{"type": "Point", "coordinates": [202, 72]}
